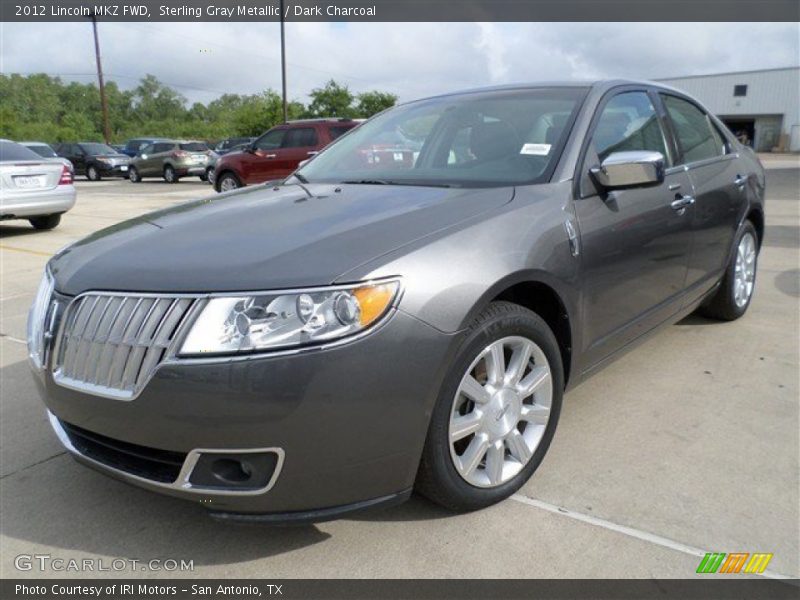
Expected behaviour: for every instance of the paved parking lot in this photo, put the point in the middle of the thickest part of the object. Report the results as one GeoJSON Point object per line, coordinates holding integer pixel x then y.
{"type": "Point", "coordinates": [687, 445]}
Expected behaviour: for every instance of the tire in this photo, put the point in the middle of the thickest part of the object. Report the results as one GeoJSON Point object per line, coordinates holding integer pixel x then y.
{"type": "Point", "coordinates": [510, 327]}
{"type": "Point", "coordinates": [133, 175]}
{"type": "Point", "coordinates": [169, 174]}
{"type": "Point", "coordinates": [734, 294]}
{"type": "Point", "coordinates": [210, 175]}
{"type": "Point", "coordinates": [227, 182]}
{"type": "Point", "coordinates": [45, 222]}
{"type": "Point", "coordinates": [92, 174]}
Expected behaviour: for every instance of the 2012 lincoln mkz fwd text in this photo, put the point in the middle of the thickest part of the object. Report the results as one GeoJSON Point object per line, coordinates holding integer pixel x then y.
{"type": "Point", "coordinates": [406, 311]}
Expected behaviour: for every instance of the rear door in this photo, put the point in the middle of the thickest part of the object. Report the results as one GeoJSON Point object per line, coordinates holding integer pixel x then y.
{"type": "Point", "coordinates": [719, 190]}
{"type": "Point", "coordinates": [161, 151]}
{"type": "Point", "coordinates": [634, 245]}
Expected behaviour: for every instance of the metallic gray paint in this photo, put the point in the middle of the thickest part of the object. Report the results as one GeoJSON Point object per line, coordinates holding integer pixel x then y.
{"type": "Point", "coordinates": [352, 419]}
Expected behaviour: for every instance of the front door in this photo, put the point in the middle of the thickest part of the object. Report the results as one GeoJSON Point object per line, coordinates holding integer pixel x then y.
{"type": "Point", "coordinates": [261, 165]}
{"type": "Point", "coordinates": [299, 144]}
{"type": "Point", "coordinates": [634, 244]}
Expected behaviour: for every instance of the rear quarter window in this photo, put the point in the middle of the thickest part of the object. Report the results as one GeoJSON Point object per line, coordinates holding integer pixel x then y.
{"type": "Point", "coordinates": [338, 131]}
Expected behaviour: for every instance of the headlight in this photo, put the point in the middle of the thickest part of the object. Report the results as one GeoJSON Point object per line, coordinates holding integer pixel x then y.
{"type": "Point", "coordinates": [283, 320]}
{"type": "Point", "coordinates": [36, 320]}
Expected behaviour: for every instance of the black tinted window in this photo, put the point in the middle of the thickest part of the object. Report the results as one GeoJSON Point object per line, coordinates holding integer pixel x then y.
{"type": "Point", "coordinates": [14, 151]}
{"type": "Point", "coordinates": [300, 137]}
{"type": "Point", "coordinates": [162, 147]}
{"type": "Point", "coordinates": [270, 140]}
{"type": "Point", "coordinates": [628, 122]}
{"type": "Point", "coordinates": [697, 136]}
{"type": "Point", "coordinates": [337, 131]}
{"type": "Point", "coordinates": [96, 149]}
{"type": "Point", "coordinates": [194, 147]}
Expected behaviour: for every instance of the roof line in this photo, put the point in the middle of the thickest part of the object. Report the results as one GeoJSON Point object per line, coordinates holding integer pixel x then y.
{"type": "Point", "coordinates": [729, 73]}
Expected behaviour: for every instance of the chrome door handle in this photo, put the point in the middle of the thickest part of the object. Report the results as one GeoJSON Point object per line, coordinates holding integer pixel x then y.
{"type": "Point", "coordinates": [740, 181]}
{"type": "Point", "coordinates": [314, 153]}
{"type": "Point", "coordinates": [270, 155]}
{"type": "Point", "coordinates": [682, 202]}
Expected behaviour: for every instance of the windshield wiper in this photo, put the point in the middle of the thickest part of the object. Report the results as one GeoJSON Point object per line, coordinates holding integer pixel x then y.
{"type": "Point", "coordinates": [367, 181]}
{"type": "Point", "coordinates": [393, 182]}
{"type": "Point", "coordinates": [300, 178]}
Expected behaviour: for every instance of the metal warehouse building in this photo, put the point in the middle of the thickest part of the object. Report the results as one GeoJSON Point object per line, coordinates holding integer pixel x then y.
{"type": "Point", "coordinates": [760, 107]}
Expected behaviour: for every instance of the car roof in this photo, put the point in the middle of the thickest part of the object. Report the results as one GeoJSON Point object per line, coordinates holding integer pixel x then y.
{"type": "Point", "coordinates": [599, 84]}
{"type": "Point", "coordinates": [33, 143]}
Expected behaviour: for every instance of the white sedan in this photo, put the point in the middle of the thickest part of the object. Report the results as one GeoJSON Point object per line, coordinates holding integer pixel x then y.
{"type": "Point", "coordinates": [33, 188]}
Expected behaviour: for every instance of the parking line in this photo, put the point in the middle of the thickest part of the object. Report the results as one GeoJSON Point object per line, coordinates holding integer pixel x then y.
{"type": "Point", "coordinates": [36, 252]}
{"type": "Point", "coordinates": [3, 336]}
{"type": "Point", "coordinates": [645, 536]}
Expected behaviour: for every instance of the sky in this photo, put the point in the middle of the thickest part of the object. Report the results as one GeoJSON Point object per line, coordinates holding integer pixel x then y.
{"type": "Point", "coordinates": [413, 60]}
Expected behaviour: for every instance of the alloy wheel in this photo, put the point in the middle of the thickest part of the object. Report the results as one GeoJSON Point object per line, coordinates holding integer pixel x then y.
{"type": "Point", "coordinates": [227, 184]}
{"type": "Point", "coordinates": [744, 270]}
{"type": "Point", "coordinates": [169, 174]}
{"type": "Point", "coordinates": [500, 412]}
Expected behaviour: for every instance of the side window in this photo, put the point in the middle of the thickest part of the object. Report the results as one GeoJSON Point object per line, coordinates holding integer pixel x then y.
{"type": "Point", "coordinates": [628, 122]}
{"type": "Point", "coordinates": [148, 149]}
{"type": "Point", "coordinates": [300, 137]}
{"type": "Point", "coordinates": [270, 140]}
{"type": "Point", "coordinates": [336, 131]}
{"type": "Point", "coordinates": [698, 139]}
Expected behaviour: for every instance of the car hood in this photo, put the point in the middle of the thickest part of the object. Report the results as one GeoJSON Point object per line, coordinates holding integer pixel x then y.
{"type": "Point", "coordinates": [112, 156]}
{"type": "Point", "coordinates": [264, 238]}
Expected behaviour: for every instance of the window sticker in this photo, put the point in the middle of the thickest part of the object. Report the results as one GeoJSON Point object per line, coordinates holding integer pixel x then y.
{"type": "Point", "coordinates": [536, 149]}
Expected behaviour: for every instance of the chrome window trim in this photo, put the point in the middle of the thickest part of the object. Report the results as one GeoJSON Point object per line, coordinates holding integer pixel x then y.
{"type": "Point", "coordinates": [181, 483]}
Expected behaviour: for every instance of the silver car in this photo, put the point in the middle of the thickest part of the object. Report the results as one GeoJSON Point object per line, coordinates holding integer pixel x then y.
{"type": "Point", "coordinates": [33, 188]}
{"type": "Point", "coordinates": [46, 151]}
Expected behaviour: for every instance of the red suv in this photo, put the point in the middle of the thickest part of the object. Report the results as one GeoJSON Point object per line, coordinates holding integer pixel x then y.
{"type": "Point", "coordinates": [277, 153]}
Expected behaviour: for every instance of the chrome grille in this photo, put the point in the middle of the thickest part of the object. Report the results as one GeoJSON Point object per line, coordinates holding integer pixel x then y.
{"type": "Point", "coordinates": [111, 344]}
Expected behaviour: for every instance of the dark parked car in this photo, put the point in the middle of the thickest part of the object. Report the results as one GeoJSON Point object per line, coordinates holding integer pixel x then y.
{"type": "Point", "coordinates": [95, 160]}
{"type": "Point", "coordinates": [277, 153]}
{"type": "Point", "coordinates": [232, 144]}
{"type": "Point", "coordinates": [172, 160]}
{"type": "Point", "coordinates": [401, 320]}
{"type": "Point", "coordinates": [133, 146]}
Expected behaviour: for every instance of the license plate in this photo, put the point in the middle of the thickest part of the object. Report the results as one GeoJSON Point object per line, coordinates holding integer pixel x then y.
{"type": "Point", "coordinates": [29, 181]}
{"type": "Point", "coordinates": [123, 168]}
{"type": "Point", "coordinates": [199, 158]}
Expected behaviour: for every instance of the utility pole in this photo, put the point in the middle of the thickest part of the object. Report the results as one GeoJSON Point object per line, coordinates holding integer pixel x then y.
{"type": "Point", "coordinates": [103, 102]}
{"type": "Point", "coordinates": [283, 67]}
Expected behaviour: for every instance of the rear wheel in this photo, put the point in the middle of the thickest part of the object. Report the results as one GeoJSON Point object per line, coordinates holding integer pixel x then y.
{"type": "Point", "coordinates": [133, 175]}
{"type": "Point", "coordinates": [92, 174]}
{"type": "Point", "coordinates": [733, 296]}
{"type": "Point", "coordinates": [497, 411]}
{"type": "Point", "coordinates": [228, 182]}
{"type": "Point", "coordinates": [169, 174]}
{"type": "Point", "coordinates": [45, 222]}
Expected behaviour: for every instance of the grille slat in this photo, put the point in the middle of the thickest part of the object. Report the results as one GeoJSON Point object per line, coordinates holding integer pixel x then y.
{"type": "Point", "coordinates": [111, 344]}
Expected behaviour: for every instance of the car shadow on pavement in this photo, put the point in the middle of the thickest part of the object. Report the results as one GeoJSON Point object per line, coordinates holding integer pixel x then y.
{"type": "Point", "coordinates": [16, 230]}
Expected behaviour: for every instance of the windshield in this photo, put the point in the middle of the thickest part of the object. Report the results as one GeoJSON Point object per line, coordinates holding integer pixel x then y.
{"type": "Point", "coordinates": [45, 151]}
{"type": "Point", "coordinates": [480, 139]}
{"type": "Point", "coordinates": [95, 149]}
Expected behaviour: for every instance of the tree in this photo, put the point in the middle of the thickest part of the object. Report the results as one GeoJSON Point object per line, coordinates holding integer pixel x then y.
{"type": "Point", "coordinates": [261, 112]}
{"type": "Point", "coordinates": [333, 100]}
{"type": "Point", "coordinates": [371, 103]}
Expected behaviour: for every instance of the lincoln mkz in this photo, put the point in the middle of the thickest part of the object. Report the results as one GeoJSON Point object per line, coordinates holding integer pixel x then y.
{"type": "Point", "coordinates": [405, 311]}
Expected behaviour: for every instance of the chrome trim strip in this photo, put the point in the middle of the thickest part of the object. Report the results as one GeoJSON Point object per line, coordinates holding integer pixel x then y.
{"type": "Point", "coordinates": [181, 484]}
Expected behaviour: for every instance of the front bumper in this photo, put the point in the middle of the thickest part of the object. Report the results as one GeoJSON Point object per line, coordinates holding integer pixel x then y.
{"type": "Point", "coordinates": [107, 170]}
{"type": "Point", "coordinates": [350, 421]}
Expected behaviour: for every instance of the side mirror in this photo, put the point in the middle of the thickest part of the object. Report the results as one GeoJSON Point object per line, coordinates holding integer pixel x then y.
{"type": "Point", "coordinates": [629, 169]}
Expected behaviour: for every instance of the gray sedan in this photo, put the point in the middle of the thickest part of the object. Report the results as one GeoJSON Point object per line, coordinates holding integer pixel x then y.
{"type": "Point", "coordinates": [32, 187]}
{"type": "Point", "coordinates": [406, 311]}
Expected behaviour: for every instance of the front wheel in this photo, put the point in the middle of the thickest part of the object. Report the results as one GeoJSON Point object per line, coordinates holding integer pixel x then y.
{"type": "Point", "coordinates": [228, 182]}
{"type": "Point", "coordinates": [133, 175]}
{"type": "Point", "coordinates": [496, 413]}
{"type": "Point", "coordinates": [45, 222]}
{"type": "Point", "coordinates": [733, 296]}
{"type": "Point", "coordinates": [92, 174]}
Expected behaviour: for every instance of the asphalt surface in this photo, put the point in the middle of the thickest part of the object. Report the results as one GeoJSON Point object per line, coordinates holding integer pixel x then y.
{"type": "Point", "coordinates": [687, 445]}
